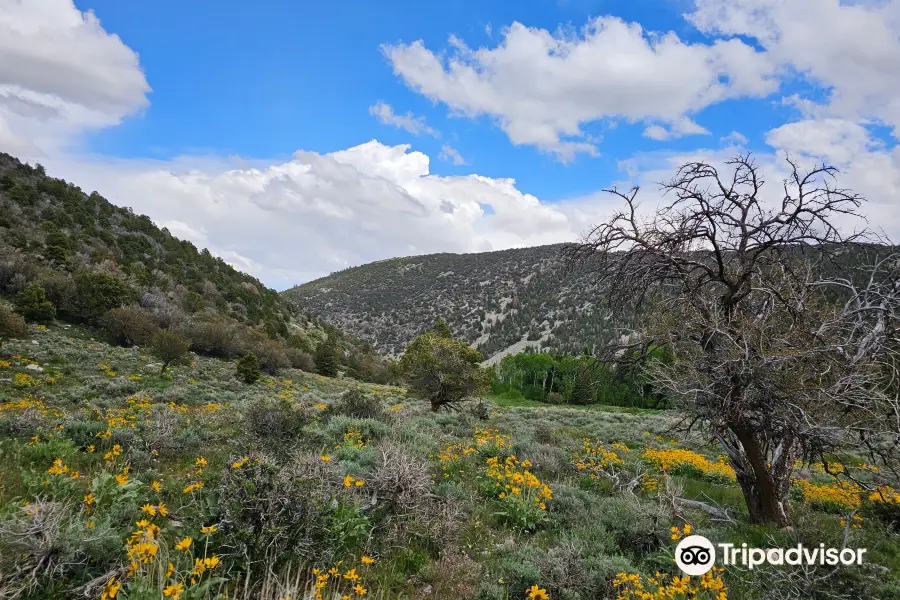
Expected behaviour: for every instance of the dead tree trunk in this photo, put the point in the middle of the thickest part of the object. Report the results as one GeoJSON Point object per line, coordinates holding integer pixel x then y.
{"type": "Point", "coordinates": [765, 481]}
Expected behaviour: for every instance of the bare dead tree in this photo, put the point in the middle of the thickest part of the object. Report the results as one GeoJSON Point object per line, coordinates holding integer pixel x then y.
{"type": "Point", "coordinates": [771, 358]}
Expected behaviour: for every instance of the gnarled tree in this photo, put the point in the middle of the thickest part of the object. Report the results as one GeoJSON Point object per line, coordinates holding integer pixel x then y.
{"type": "Point", "coordinates": [784, 346]}
{"type": "Point", "coordinates": [442, 370]}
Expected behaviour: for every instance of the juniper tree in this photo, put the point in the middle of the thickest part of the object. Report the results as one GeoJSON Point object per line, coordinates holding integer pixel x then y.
{"type": "Point", "coordinates": [169, 347]}
{"type": "Point", "coordinates": [442, 370]}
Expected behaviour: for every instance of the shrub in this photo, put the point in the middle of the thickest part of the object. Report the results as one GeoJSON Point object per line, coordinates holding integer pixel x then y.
{"type": "Point", "coordinates": [248, 368]}
{"type": "Point", "coordinates": [34, 306]}
{"type": "Point", "coordinates": [129, 326]}
{"type": "Point", "coordinates": [555, 398]}
{"type": "Point", "coordinates": [356, 403]}
{"type": "Point", "coordinates": [94, 294]}
{"type": "Point", "coordinates": [270, 354]}
{"type": "Point", "coordinates": [214, 338]}
{"type": "Point", "coordinates": [40, 548]}
{"type": "Point", "coordinates": [12, 325]}
{"type": "Point", "coordinates": [58, 286]}
{"type": "Point", "coordinates": [168, 346]}
{"type": "Point", "coordinates": [401, 481]}
{"type": "Point", "coordinates": [276, 424]}
{"type": "Point", "coordinates": [269, 516]}
{"type": "Point", "coordinates": [11, 266]}
{"type": "Point", "coordinates": [300, 359]}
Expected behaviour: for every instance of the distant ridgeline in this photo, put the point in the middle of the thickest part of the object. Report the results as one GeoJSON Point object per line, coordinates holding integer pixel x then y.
{"type": "Point", "coordinates": [500, 302]}
{"type": "Point", "coordinates": [86, 257]}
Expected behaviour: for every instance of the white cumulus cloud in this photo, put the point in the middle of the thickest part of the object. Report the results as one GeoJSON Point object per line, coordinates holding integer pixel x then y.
{"type": "Point", "coordinates": [852, 49]}
{"type": "Point", "coordinates": [61, 73]}
{"type": "Point", "coordinates": [541, 87]}
{"type": "Point", "coordinates": [287, 222]}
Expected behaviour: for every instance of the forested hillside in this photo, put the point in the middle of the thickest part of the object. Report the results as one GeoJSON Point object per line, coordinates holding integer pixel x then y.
{"type": "Point", "coordinates": [501, 302]}
{"type": "Point", "coordinates": [86, 257]}
{"type": "Point", "coordinates": [496, 300]}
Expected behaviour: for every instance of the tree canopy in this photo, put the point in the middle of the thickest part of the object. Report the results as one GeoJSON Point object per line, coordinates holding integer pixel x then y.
{"type": "Point", "coordinates": [442, 370]}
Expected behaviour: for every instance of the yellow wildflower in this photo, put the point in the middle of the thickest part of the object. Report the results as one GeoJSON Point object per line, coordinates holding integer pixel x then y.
{"type": "Point", "coordinates": [537, 593]}
{"type": "Point", "coordinates": [111, 589]}
{"type": "Point", "coordinates": [184, 544]}
{"type": "Point", "coordinates": [174, 591]}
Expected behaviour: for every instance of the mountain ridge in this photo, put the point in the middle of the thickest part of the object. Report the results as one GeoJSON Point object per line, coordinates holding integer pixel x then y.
{"type": "Point", "coordinates": [498, 301]}
{"type": "Point", "coordinates": [501, 302]}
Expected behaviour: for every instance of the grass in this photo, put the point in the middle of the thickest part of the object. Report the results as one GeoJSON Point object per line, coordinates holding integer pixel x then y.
{"type": "Point", "coordinates": [267, 466]}
{"type": "Point", "coordinates": [507, 401]}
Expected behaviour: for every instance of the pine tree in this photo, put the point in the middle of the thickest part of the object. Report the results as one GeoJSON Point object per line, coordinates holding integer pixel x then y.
{"type": "Point", "coordinates": [326, 358]}
{"type": "Point", "coordinates": [582, 392]}
{"type": "Point", "coordinates": [248, 368]}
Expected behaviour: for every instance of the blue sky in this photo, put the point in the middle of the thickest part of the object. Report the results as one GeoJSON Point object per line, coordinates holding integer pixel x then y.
{"type": "Point", "coordinates": [281, 76]}
{"type": "Point", "coordinates": [294, 139]}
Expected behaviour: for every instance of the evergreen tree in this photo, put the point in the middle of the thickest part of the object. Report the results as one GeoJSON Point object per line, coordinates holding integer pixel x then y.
{"type": "Point", "coordinates": [326, 358]}
{"type": "Point", "coordinates": [443, 370]}
{"type": "Point", "coordinates": [32, 303]}
{"type": "Point", "coordinates": [582, 392]}
{"type": "Point", "coordinates": [248, 368]}
{"type": "Point", "coordinates": [442, 329]}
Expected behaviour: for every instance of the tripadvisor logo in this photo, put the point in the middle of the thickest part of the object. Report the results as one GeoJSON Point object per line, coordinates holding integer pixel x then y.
{"type": "Point", "coordinates": [696, 555]}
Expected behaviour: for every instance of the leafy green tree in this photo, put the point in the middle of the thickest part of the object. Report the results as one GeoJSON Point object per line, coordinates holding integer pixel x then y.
{"type": "Point", "coordinates": [32, 303]}
{"type": "Point", "coordinates": [326, 358]}
{"type": "Point", "coordinates": [57, 256]}
{"type": "Point", "coordinates": [96, 293]}
{"type": "Point", "coordinates": [443, 370]}
{"type": "Point", "coordinates": [169, 347]}
{"type": "Point", "coordinates": [248, 368]}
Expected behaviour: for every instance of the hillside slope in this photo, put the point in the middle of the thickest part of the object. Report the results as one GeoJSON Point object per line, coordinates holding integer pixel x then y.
{"type": "Point", "coordinates": [498, 301]}
{"type": "Point", "coordinates": [52, 233]}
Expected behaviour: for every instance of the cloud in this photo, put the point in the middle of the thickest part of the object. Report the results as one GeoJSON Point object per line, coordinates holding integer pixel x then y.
{"type": "Point", "coordinates": [851, 49]}
{"type": "Point", "coordinates": [61, 73]}
{"type": "Point", "coordinates": [866, 164]}
{"type": "Point", "coordinates": [287, 222]}
{"type": "Point", "coordinates": [682, 127]}
{"type": "Point", "coordinates": [411, 123]}
{"type": "Point", "coordinates": [837, 141]}
{"type": "Point", "coordinates": [541, 87]}
{"type": "Point", "coordinates": [450, 154]}
{"type": "Point", "coordinates": [735, 138]}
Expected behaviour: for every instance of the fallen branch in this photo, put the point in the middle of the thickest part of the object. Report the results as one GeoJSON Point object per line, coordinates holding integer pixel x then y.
{"type": "Point", "coordinates": [719, 514]}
